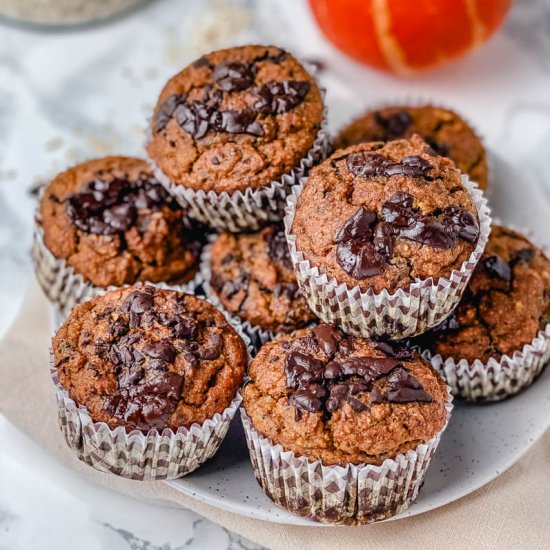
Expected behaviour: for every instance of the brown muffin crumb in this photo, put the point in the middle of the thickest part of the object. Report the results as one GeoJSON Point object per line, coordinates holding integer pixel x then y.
{"type": "Point", "coordinates": [115, 224]}
{"type": "Point", "coordinates": [506, 303]}
{"type": "Point", "coordinates": [444, 130]}
{"type": "Point", "coordinates": [143, 358]}
{"type": "Point", "coordinates": [343, 399]}
{"type": "Point", "coordinates": [235, 119]}
{"type": "Point", "coordinates": [253, 278]}
{"type": "Point", "coordinates": [381, 216]}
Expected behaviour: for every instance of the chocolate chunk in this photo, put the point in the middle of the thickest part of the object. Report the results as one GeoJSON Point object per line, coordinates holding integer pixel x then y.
{"type": "Point", "coordinates": [161, 350]}
{"type": "Point", "coordinates": [438, 147]}
{"type": "Point", "coordinates": [166, 111]}
{"type": "Point", "coordinates": [276, 98]}
{"type": "Point", "coordinates": [403, 387]}
{"type": "Point", "coordinates": [277, 245]}
{"type": "Point", "coordinates": [369, 368]}
{"type": "Point", "coordinates": [109, 208]}
{"type": "Point", "coordinates": [233, 76]}
{"type": "Point", "coordinates": [376, 396]}
{"type": "Point", "coordinates": [214, 348]}
{"type": "Point", "coordinates": [461, 223]}
{"type": "Point", "coordinates": [290, 290]}
{"type": "Point", "coordinates": [301, 368]}
{"type": "Point", "coordinates": [328, 338]}
{"type": "Point", "coordinates": [138, 302]}
{"type": "Point", "coordinates": [202, 62]}
{"type": "Point", "coordinates": [394, 125]}
{"type": "Point", "coordinates": [398, 349]}
{"type": "Point", "coordinates": [185, 328]}
{"type": "Point", "coordinates": [304, 399]}
{"type": "Point", "coordinates": [358, 226]}
{"type": "Point", "coordinates": [356, 405]}
{"type": "Point", "coordinates": [524, 255]}
{"type": "Point", "coordinates": [497, 268]}
{"type": "Point", "coordinates": [374, 165]}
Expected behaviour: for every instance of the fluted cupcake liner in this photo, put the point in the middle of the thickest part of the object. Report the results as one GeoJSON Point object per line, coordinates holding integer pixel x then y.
{"type": "Point", "coordinates": [417, 101]}
{"type": "Point", "coordinates": [137, 455]}
{"type": "Point", "coordinates": [346, 495]}
{"type": "Point", "coordinates": [66, 288]}
{"type": "Point", "coordinates": [495, 379]}
{"type": "Point", "coordinates": [405, 313]}
{"type": "Point", "coordinates": [249, 209]}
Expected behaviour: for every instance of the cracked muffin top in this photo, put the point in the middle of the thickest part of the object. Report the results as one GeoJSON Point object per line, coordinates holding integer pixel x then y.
{"type": "Point", "coordinates": [506, 303]}
{"type": "Point", "coordinates": [253, 278]}
{"type": "Point", "coordinates": [115, 224]}
{"type": "Point", "coordinates": [144, 358]}
{"type": "Point", "coordinates": [235, 119]}
{"type": "Point", "coordinates": [444, 130]}
{"type": "Point", "coordinates": [381, 216]}
{"type": "Point", "coordinates": [343, 399]}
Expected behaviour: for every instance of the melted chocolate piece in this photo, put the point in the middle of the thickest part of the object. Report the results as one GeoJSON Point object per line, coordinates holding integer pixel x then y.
{"type": "Point", "coordinates": [324, 386]}
{"type": "Point", "coordinates": [328, 337]}
{"type": "Point", "coordinates": [399, 349]}
{"type": "Point", "coordinates": [233, 76]}
{"type": "Point", "coordinates": [111, 207]}
{"type": "Point", "coordinates": [523, 256]}
{"type": "Point", "coordinates": [276, 98]}
{"type": "Point", "coordinates": [394, 125]}
{"type": "Point", "coordinates": [362, 246]}
{"type": "Point", "coordinates": [403, 387]}
{"type": "Point", "coordinates": [438, 147]}
{"type": "Point", "coordinates": [277, 245]}
{"type": "Point", "coordinates": [374, 165]}
{"type": "Point", "coordinates": [166, 111]}
{"type": "Point", "coordinates": [161, 350]}
{"type": "Point", "coordinates": [497, 268]}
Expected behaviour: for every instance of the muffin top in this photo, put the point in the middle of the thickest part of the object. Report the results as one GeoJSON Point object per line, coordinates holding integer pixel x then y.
{"type": "Point", "coordinates": [343, 399]}
{"type": "Point", "coordinates": [253, 278]}
{"type": "Point", "coordinates": [381, 216]}
{"type": "Point", "coordinates": [444, 130]}
{"type": "Point", "coordinates": [114, 224]}
{"type": "Point", "coordinates": [235, 119]}
{"type": "Point", "coordinates": [144, 358]}
{"type": "Point", "coordinates": [506, 303]}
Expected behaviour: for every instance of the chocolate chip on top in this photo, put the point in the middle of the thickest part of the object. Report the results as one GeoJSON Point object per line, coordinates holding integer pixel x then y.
{"type": "Point", "coordinates": [110, 207]}
{"type": "Point", "coordinates": [237, 118]}
{"type": "Point", "coordinates": [252, 275]}
{"type": "Point", "coordinates": [343, 399]}
{"type": "Point", "coordinates": [506, 303]}
{"type": "Point", "coordinates": [383, 216]}
{"type": "Point", "coordinates": [325, 385]}
{"type": "Point", "coordinates": [147, 358]}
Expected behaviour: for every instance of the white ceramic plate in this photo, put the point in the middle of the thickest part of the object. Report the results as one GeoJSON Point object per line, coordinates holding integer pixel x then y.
{"type": "Point", "coordinates": [481, 442]}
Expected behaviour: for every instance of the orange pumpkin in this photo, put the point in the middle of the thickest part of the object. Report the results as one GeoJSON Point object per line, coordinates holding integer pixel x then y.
{"type": "Point", "coordinates": [404, 36]}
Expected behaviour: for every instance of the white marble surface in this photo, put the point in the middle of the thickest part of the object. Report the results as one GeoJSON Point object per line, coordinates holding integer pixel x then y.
{"type": "Point", "coordinates": [69, 96]}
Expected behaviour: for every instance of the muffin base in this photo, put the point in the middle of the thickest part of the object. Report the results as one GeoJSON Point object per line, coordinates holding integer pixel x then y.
{"type": "Point", "coordinates": [250, 209]}
{"type": "Point", "coordinates": [405, 313]}
{"type": "Point", "coordinates": [65, 288]}
{"type": "Point", "coordinates": [496, 379]}
{"type": "Point", "coordinates": [340, 495]}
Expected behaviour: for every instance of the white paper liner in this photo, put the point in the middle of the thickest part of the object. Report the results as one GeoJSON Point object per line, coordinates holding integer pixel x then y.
{"type": "Point", "coordinates": [346, 495]}
{"type": "Point", "coordinates": [249, 209]}
{"type": "Point", "coordinates": [406, 312]}
{"type": "Point", "coordinates": [66, 288]}
{"type": "Point", "coordinates": [143, 456]}
{"type": "Point", "coordinates": [497, 378]}
{"type": "Point", "coordinates": [415, 101]}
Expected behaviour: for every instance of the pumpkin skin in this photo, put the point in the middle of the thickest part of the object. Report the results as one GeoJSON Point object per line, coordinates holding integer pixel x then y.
{"type": "Point", "coordinates": [407, 36]}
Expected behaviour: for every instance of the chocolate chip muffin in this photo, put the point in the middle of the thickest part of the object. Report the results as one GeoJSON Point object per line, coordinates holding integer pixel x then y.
{"type": "Point", "coordinates": [114, 224]}
{"type": "Point", "coordinates": [506, 303]}
{"type": "Point", "coordinates": [147, 358]}
{"type": "Point", "coordinates": [252, 276]}
{"type": "Point", "coordinates": [382, 216]}
{"type": "Point", "coordinates": [444, 130]}
{"type": "Point", "coordinates": [235, 119]}
{"type": "Point", "coordinates": [343, 399]}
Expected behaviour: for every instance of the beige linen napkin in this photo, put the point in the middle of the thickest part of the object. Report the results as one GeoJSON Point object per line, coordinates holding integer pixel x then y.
{"type": "Point", "coordinates": [512, 512]}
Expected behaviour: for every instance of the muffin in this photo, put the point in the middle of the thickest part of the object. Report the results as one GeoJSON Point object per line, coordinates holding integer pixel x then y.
{"type": "Point", "coordinates": [232, 131]}
{"type": "Point", "coordinates": [495, 342]}
{"type": "Point", "coordinates": [251, 276]}
{"type": "Point", "coordinates": [446, 132]}
{"type": "Point", "coordinates": [379, 222]}
{"type": "Point", "coordinates": [110, 223]}
{"type": "Point", "coordinates": [147, 381]}
{"type": "Point", "coordinates": [326, 415]}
